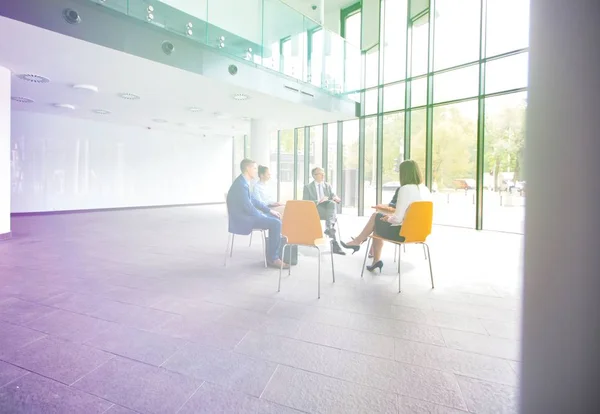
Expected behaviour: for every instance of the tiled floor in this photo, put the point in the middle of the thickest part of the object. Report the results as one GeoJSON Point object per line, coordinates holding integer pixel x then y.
{"type": "Point", "coordinates": [133, 311]}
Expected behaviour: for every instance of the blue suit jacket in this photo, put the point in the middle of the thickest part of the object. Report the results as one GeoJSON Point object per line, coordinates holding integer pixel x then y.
{"type": "Point", "coordinates": [243, 208]}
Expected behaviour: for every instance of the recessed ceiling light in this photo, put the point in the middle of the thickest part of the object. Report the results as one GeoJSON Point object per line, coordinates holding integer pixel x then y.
{"type": "Point", "coordinates": [160, 121]}
{"type": "Point", "coordinates": [83, 87]}
{"type": "Point", "coordinates": [64, 106]}
{"type": "Point", "coordinates": [195, 109]}
{"type": "Point", "coordinates": [129, 96]}
{"type": "Point", "coordinates": [240, 97]}
{"type": "Point", "coordinates": [101, 111]}
{"type": "Point", "coordinates": [21, 99]}
{"type": "Point", "coordinates": [29, 77]}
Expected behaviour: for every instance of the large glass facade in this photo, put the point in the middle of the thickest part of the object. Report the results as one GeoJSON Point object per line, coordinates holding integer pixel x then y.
{"type": "Point", "coordinates": [447, 87]}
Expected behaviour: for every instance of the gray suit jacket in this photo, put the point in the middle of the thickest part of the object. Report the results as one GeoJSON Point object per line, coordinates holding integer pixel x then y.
{"type": "Point", "coordinates": [310, 192]}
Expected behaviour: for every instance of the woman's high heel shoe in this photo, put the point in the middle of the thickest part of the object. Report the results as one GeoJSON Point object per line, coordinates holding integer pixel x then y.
{"type": "Point", "coordinates": [350, 247]}
{"type": "Point", "coordinates": [376, 265]}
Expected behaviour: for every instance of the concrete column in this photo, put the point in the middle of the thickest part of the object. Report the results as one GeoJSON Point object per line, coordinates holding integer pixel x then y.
{"type": "Point", "coordinates": [4, 153]}
{"type": "Point", "coordinates": [561, 320]}
{"type": "Point", "coordinates": [260, 141]}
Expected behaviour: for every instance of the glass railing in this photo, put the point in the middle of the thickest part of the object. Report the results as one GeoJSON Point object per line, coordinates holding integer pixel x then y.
{"type": "Point", "coordinates": [266, 32]}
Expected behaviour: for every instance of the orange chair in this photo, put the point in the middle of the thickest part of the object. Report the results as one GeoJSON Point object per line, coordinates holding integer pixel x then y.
{"type": "Point", "coordinates": [415, 229]}
{"type": "Point", "coordinates": [301, 227]}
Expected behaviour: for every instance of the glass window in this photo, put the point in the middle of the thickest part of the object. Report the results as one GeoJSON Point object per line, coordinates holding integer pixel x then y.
{"type": "Point", "coordinates": [371, 101]}
{"type": "Point", "coordinates": [286, 161]}
{"type": "Point", "coordinates": [418, 93]}
{"type": "Point", "coordinates": [370, 172]}
{"type": "Point", "coordinates": [507, 26]}
{"type": "Point", "coordinates": [394, 41]}
{"type": "Point", "coordinates": [454, 161]}
{"type": "Point", "coordinates": [372, 68]}
{"type": "Point", "coordinates": [350, 165]}
{"type": "Point", "coordinates": [273, 164]}
{"type": "Point", "coordinates": [504, 180]}
{"type": "Point", "coordinates": [393, 153]}
{"type": "Point", "coordinates": [507, 73]}
{"type": "Point", "coordinates": [456, 32]}
{"type": "Point", "coordinates": [420, 45]}
{"type": "Point", "coordinates": [417, 7]}
{"type": "Point", "coordinates": [353, 57]}
{"type": "Point", "coordinates": [456, 84]}
{"type": "Point", "coordinates": [316, 147]}
{"type": "Point", "coordinates": [418, 138]}
{"type": "Point", "coordinates": [393, 97]}
{"type": "Point", "coordinates": [332, 157]}
{"type": "Point", "coordinates": [316, 58]}
{"type": "Point", "coordinates": [300, 166]}
{"type": "Point", "coordinates": [353, 28]}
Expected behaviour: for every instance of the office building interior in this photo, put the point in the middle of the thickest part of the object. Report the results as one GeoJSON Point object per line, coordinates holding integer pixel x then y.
{"type": "Point", "coordinates": [124, 289]}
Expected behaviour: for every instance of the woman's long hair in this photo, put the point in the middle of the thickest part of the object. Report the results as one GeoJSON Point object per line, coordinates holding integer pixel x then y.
{"type": "Point", "coordinates": [410, 173]}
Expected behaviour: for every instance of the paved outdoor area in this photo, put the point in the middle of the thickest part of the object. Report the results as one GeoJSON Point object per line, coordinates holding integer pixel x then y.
{"type": "Point", "coordinates": [133, 311]}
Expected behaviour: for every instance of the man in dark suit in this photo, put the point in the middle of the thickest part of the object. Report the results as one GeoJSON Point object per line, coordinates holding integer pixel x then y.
{"type": "Point", "coordinates": [247, 213]}
{"type": "Point", "coordinates": [322, 194]}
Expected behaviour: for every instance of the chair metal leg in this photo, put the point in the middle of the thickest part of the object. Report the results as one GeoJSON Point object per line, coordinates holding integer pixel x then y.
{"type": "Point", "coordinates": [425, 251]}
{"type": "Point", "coordinates": [232, 240]}
{"type": "Point", "coordinates": [395, 253]}
{"type": "Point", "coordinates": [399, 273]}
{"type": "Point", "coordinates": [250, 244]}
{"type": "Point", "coordinates": [264, 244]}
{"type": "Point", "coordinates": [319, 275]}
{"type": "Point", "coordinates": [430, 268]}
{"type": "Point", "coordinates": [404, 247]}
{"type": "Point", "coordinates": [281, 268]}
{"type": "Point", "coordinates": [332, 265]}
{"type": "Point", "coordinates": [362, 272]}
{"type": "Point", "coordinates": [227, 248]}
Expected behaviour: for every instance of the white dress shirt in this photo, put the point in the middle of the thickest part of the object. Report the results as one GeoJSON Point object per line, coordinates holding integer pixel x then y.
{"type": "Point", "coordinates": [407, 194]}
{"type": "Point", "coordinates": [262, 193]}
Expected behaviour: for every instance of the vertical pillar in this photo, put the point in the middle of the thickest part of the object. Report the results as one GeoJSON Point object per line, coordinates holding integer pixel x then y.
{"type": "Point", "coordinates": [260, 142]}
{"type": "Point", "coordinates": [561, 320]}
{"type": "Point", "coordinates": [5, 231]}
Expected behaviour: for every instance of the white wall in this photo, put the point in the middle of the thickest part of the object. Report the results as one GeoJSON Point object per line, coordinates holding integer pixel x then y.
{"type": "Point", "coordinates": [4, 151]}
{"type": "Point", "coordinates": [63, 163]}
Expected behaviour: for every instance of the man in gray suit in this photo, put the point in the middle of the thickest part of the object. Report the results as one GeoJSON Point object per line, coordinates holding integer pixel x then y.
{"type": "Point", "coordinates": [324, 197]}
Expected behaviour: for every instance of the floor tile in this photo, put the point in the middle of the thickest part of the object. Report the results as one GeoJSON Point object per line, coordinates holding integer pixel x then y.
{"type": "Point", "coordinates": [414, 406]}
{"type": "Point", "coordinates": [139, 387]}
{"type": "Point", "coordinates": [151, 348]}
{"type": "Point", "coordinates": [303, 355]}
{"type": "Point", "coordinates": [71, 326]}
{"type": "Point", "coordinates": [483, 344]}
{"type": "Point", "coordinates": [9, 373]}
{"type": "Point", "coordinates": [57, 359]}
{"type": "Point", "coordinates": [33, 394]}
{"type": "Point", "coordinates": [117, 409]}
{"type": "Point", "coordinates": [316, 393]}
{"type": "Point", "coordinates": [18, 311]}
{"type": "Point", "coordinates": [508, 330]}
{"type": "Point", "coordinates": [14, 337]}
{"type": "Point", "coordinates": [203, 333]}
{"type": "Point", "coordinates": [487, 398]}
{"type": "Point", "coordinates": [228, 369]}
{"type": "Point", "coordinates": [452, 360]}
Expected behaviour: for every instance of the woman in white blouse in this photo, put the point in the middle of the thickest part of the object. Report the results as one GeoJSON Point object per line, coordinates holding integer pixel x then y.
{"type": "Point", "coordinates": [262, 192]}
{"type": "Point", "coordinates": [388, 225]}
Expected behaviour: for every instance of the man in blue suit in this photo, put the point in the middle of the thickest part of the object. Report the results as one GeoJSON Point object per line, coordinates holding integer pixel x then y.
{"type": "Point", "coordinates": [247, 213]}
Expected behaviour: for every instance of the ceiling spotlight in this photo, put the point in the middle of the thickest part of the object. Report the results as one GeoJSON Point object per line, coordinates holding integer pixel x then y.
{"type": "Point", "coordinates": [240, 97]}
{"type": "Point", "coordinates": [159, 121]}
{"type": "Point", "coordinates": [71, 16]}
{"type": "Point", "coordinates": [129, 96]}
{"type": "Point", "coordinates": [101, 111]}
{"type": "Point", "coordinates": [64, 106]}
{"type": "Point", "coordinates": [167, 47]}
{"type": "Point", "coordinates": [188, 29]}
{"type": "Point", "coordinates": [29, 77]}
{"type": "Point", "coordinates": [150, 13]}
{"type": "Point", "coordinates": [249, 54]}
{"type": "Point", "coordinates": [21, 99]}
{"type": "Point", "coordinates": [195, 109]}
{"type": "Point", "coordinates": [83, 87]}
{"type": "Point", "coordinates": [221, 42]}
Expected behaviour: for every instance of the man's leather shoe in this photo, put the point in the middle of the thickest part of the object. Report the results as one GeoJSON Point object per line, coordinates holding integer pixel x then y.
{"type": "Point", "coordinates": [337, 249]}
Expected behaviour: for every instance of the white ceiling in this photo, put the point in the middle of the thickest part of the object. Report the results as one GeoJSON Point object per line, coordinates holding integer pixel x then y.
{"type": "Point", "coordinates": [166, 92]}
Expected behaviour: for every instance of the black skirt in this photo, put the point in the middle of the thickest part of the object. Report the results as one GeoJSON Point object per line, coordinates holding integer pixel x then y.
{"type": "Point", "coordinates": [386, 230]}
